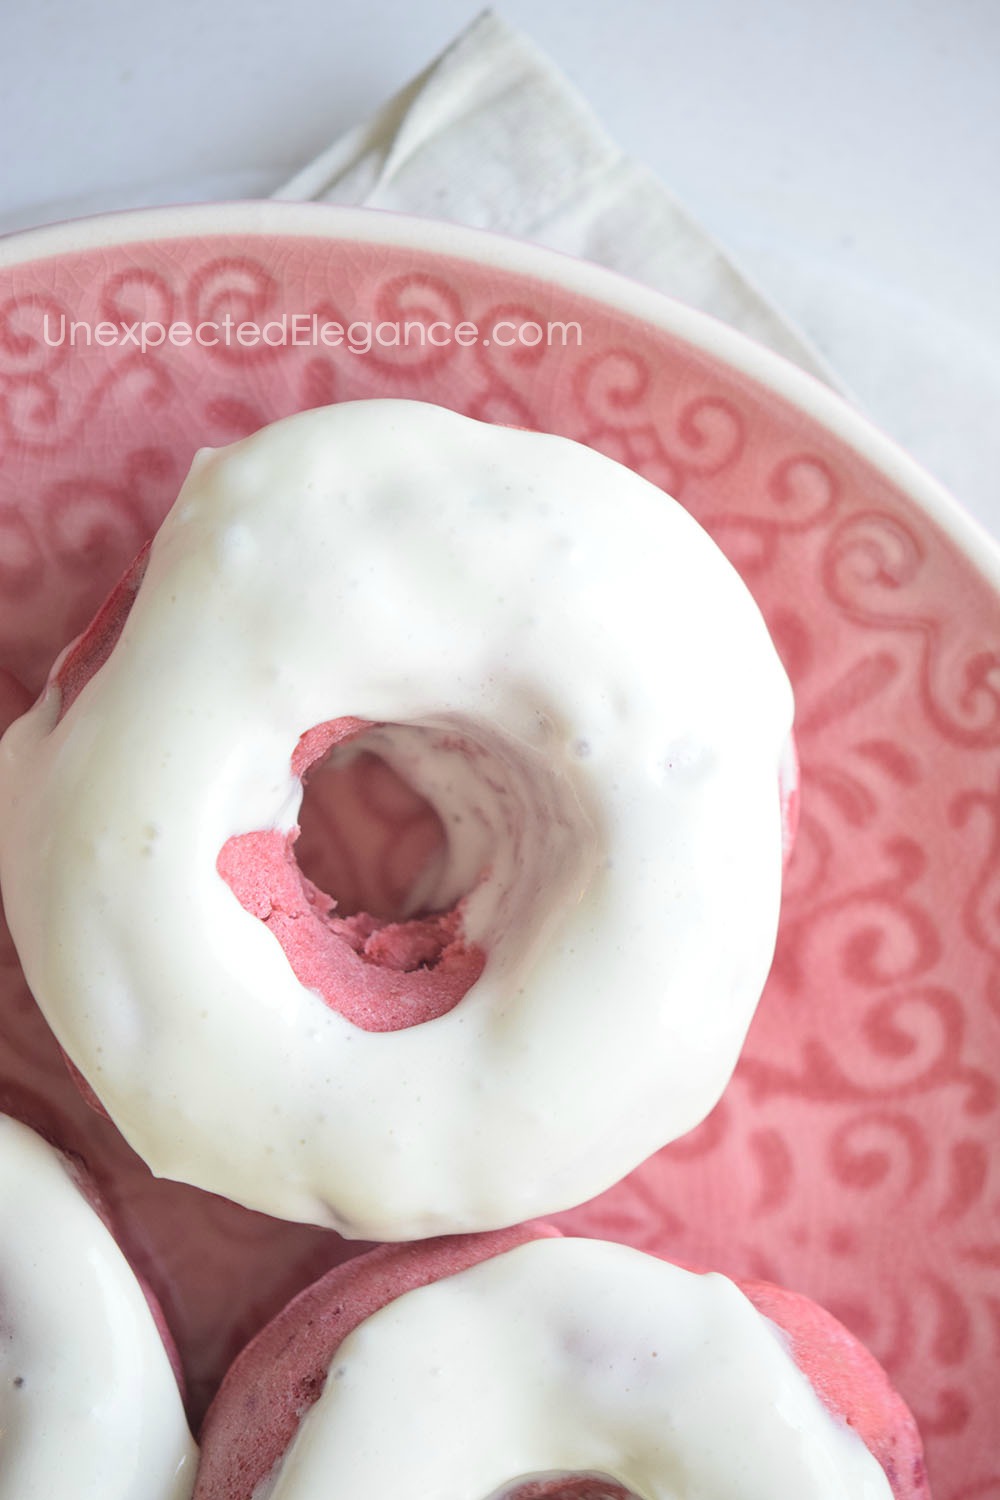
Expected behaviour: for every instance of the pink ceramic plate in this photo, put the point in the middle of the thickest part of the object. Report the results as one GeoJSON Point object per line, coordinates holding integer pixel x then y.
{"type": "Point", "coordinates": [853, 1157]}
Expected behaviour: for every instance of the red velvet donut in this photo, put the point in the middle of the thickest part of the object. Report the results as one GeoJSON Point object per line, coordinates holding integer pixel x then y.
{"type": "Point", "coordinates": [282, 1372]}
{"type": "Point", "coordinates": [540, 740]}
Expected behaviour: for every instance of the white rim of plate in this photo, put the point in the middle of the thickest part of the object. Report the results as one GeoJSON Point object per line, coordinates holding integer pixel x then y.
{"type": "Point", "coordinates": [282, 219]}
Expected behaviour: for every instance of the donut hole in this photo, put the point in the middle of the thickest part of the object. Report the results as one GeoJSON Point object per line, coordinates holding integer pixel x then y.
{"type": "Point", "coordinates": [420, 850]}
{"type": "Point", "coordinates": [368, 839]}
{"type": "Point", "coordinates": [565, 1487]}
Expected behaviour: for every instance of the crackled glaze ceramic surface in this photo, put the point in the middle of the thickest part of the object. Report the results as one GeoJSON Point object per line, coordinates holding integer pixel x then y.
{"type": "Point", "coordinates": [854, 1156]}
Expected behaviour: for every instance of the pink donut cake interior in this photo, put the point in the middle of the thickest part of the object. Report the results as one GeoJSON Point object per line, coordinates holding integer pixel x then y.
{"type": "Point", "coordinates": [281, 1373]}
{"type": "Point", "coordinates": [365, 835]}
{"type": "Point", "coordinates": [380, 973]}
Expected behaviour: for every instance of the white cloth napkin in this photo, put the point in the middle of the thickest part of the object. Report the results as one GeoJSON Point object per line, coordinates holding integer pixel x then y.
{"type": "Point", "coordinates": [490, 134]}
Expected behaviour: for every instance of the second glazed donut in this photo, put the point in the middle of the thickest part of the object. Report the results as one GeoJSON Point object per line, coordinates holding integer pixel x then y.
{"type": "Point", "coordinates": [523, 1366]}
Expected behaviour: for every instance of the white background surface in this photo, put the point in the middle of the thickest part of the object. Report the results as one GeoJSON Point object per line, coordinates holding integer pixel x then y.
{"type": "Point", "coordinates": [847, 153]}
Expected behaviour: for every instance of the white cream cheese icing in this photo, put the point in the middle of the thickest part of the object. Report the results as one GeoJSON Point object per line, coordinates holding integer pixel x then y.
{"type": "Point", "coordinates": [572, 1356]}
{"type": "Point", "coordinates": [89, 1406]}
{"type": "Point", "coordinates": [402, 564]}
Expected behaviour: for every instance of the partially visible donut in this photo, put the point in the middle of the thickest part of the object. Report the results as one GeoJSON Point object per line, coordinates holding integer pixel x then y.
{"type": "Point", "coordinates": [541, 1368]}
{"type": "Point", "coordinates": [89, 1402]}
{"type": "Point", "coordinates": [282, 1371]}
{"type": "Point", "coordinates": [551, 654]}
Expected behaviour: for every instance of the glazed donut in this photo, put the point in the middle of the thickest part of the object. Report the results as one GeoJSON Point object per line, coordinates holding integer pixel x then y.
{"type": "Point", "coordinates": [555, 657]}
{"type": "Point", "coordinates": [89, 1404]}
{"type": "Point", "coordinates": [532, 1366]}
